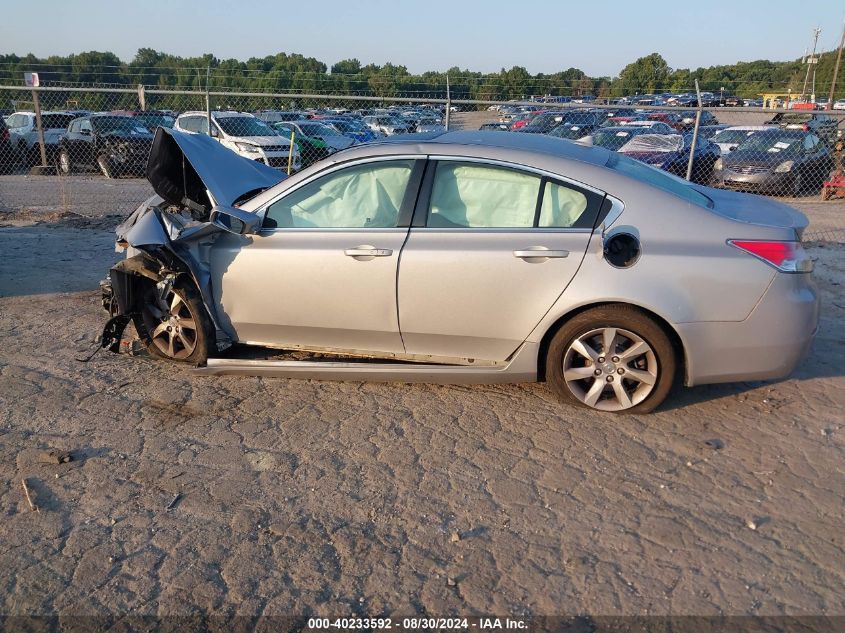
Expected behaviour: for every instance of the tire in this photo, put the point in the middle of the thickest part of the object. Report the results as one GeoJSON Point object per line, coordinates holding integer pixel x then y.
{"type": "Point", "coordinates": [105, 166]}
{"type": "Point", "coordinates": [180, 330]}
{"type": "Point", "coordinates": [797, 185]}
{"type": "Point", "coordinates": [637, 382]}
{"type": "Point", "coordinates": [64, 163]}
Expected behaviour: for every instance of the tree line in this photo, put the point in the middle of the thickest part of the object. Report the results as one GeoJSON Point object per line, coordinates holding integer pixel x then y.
{"type": "Point", "coordinates": [294, 73]}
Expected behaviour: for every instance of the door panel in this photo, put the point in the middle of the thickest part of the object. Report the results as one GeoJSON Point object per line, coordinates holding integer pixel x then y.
{"type": "Point", "coordinates": [465, 293]}
{"type": "Point", "coordinates": [299, 288]}
{"type": "Point", "coordinates": [322, 274]}
{"type": "Point", "coordinates": [491, 249]}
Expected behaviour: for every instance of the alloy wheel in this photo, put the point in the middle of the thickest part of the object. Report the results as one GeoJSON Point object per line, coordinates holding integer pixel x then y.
{"type": "Point", "coordinates": [171, 325]}
{"type": "Point", "coordinates": [610, 369]}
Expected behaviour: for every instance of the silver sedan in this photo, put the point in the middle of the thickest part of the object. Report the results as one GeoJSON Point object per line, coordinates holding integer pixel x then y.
{"type": "Point", "coordinates": [464, 257]}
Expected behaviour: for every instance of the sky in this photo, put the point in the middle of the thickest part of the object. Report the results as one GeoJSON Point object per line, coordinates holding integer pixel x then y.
{"type": "Point", "coordinates": [544, 36]}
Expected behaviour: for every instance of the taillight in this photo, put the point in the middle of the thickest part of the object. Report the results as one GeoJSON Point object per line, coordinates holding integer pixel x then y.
{"type": "Point", "coordinates": [787, 257]}
{"type": "Point", "coordinates": [805, 127]}
{"type": "Point", "coordinates": [4, 134]}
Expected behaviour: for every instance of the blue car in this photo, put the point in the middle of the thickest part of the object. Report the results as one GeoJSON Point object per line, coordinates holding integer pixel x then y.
{"type": "Point", "coordinates": [352, 129]}
{"type": "Point", "coordinates": [670, 152]}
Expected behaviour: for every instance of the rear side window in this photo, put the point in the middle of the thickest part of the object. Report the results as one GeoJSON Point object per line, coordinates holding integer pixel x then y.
{"type": "Point", "coordinates": [468, 195]}
{"type": "Point", "coordinates": [472, 195]}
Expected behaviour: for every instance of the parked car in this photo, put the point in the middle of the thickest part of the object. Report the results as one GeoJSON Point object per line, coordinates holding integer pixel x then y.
{"type": "Point", "coordinates": [7, 154]}
{"type": "Point", "coordinates": [496, 126]}
{"type": "Point", "coordinates": [671, 152]}
{"type": "Point", "coordinates": [709, 131]}
{"type": "Point", "coordinates": [729, 138]}
{"type": "Point", "coordinates": [839, 104]}
{"type": "Point", "coordinates": [244, 134]}
{"type": "Point", "coordinates": [117, 145]}
{"type": "Point", "coordinates": [672, 119]}
{"type": "Point", "coordinates": [577, 125]}
{"type": "Point", "coordinates": [315, 128]}
{"type": "Point", "coordinates": [779, 161]}
{"type": "Point", "coordinates": [353, 128]}
{"type": "Point", "coordinates": [310, 149]}
{"type": "Point", "coordinates": [688, 119]}
{"type": "Point", "coordinates": [543, 123]}
{"type": "Point", "coordinates": [23, 133]}
{"type": "Point", "coordinates": [822, 125]}
{"type": "Point", "coordinates": [656, 127]}
{"type": "Point", "coordinates": [387, 125]}
{"type": "Point", "coordinates": [681, 280]}
{"type": "Point", "coordinates": [612, 138]}
{"type": "Point", "coordinates": [275, 116]}
{"type": "Point", "coordinates": [151, 119]}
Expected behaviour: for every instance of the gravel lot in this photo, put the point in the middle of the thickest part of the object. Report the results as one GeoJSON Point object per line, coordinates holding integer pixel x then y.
{"type": "Point", "coordinates": [252, 496]}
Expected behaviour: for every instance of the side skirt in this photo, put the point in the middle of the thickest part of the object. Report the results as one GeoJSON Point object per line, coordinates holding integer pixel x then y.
{"type": "Point", "coordinates": [521, 368]}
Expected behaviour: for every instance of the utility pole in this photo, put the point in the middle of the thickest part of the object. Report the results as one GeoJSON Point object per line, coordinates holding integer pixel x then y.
{"type": "Point", "coordinates": [810, 60]}
{"type": "Point", "coordinates": [836, 68]}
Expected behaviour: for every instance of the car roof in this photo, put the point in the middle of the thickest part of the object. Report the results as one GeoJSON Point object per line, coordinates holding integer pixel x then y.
{"type": "Point", "coordinates": [538, 143]}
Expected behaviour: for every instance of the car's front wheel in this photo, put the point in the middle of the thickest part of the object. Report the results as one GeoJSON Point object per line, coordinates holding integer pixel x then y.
{"type": "Point", "coordinates": [65, 164]}
{"type": "Point", "coordinates": [105, 165]}
{"type": "Point", "coordinates": [612, 358]}
{"type": "Point", "coordinates": [175, 326]}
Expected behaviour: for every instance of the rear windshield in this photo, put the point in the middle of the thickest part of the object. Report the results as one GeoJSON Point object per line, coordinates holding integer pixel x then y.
{"type": "Point", "coordinates": [658, 178]}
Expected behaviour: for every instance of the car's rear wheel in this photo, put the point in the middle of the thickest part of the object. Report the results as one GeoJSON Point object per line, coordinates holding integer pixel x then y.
{"type": "Point", "coordinates": [612, 358]}
{"type": "Point", "coordinates": [176, 326]}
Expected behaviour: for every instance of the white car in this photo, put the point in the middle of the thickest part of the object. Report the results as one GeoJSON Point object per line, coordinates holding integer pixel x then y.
{"type": "Point", "coordinates": [23, 133]}
{"type": "Point", "coordinates": [729, 138]}
{"type": "Point", "coordinates": [244, 134]}
{"type": "Point", "coordinates": [839, 104]}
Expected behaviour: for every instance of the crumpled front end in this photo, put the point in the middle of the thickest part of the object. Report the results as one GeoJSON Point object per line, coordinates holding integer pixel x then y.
{"type": "Point", "coordinates": [170, 235]}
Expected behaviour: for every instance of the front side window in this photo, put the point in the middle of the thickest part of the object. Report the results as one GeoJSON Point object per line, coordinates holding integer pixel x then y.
{"type": "Point", "coordinates": [360, 196]}
{"type": "Point", "coordinates": [469, 195]}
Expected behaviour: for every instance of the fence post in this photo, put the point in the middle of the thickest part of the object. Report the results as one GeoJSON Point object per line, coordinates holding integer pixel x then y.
{"type": "Point", "coordinates": [448, 103]}
{"type": "Point", "coordinates": [37, 106]}
{"type": "Point", "coordinates": [694, 133]}
{"type": "Point", "coordinates": [142, 97]}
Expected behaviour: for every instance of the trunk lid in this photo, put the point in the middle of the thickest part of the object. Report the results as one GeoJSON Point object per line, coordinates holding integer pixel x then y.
{"type": "Point", "coordinates": [751, 209]}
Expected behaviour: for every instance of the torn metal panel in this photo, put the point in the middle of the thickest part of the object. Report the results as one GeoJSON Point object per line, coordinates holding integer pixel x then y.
{"type": "Point", "coordinates": [171, 232]}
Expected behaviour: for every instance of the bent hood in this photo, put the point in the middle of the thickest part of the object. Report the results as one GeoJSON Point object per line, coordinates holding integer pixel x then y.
{"type": "Point", "coordinates": [193, 167]}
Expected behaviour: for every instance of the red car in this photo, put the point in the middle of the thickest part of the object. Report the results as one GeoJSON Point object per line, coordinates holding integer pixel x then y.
{"type": "Point", "coordinates": [672, 119]}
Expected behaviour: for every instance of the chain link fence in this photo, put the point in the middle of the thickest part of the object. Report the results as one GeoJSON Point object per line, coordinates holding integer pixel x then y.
{"type": "Point", "coordinates": [87, 153]}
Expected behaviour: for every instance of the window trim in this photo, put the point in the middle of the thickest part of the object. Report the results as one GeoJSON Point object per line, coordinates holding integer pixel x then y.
{"type": "Point", "coordinates": [421, 209]}
{"type": "Point", "coordinates": [406, 209]}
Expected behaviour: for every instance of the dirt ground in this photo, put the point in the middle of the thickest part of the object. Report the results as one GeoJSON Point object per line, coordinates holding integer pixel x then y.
{"type": "Point", "coordinates": [250, 496]}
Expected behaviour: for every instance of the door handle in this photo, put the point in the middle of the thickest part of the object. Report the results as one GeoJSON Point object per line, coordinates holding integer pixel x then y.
{"type": "Point", "coordinates": [540, 252]}
{"type": "Point", "coordinates": [368, 251]}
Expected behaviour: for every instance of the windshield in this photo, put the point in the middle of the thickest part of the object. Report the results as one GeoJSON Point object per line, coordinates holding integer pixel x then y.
{"type": "Point", "coordinates": [771, 144]}
{"type": "Point", "coordinates": [243, 126]}
{"type": "Point", "coordinates": [663, 143]}
{"type": "Point", "coordinates": [613, 139]}
{"type": "Point", "coordinates": [318, 129]}
{"type": "Point", "coordinates": [153, 121]}
{"type": "Point", "coordinates": [56, 121]}
{"type": "Point", "coordinates": [349, 126]}
{"type": "Point", "coordinates": [119, 124]}
{"type": "Point", "coordinates": [658, 178]}
{"type": "Point", "coordinates": [733, 136]}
